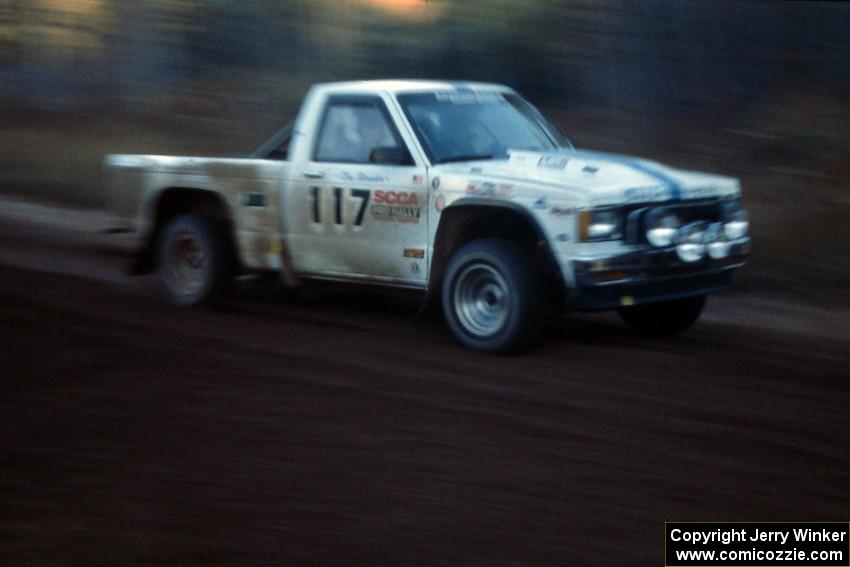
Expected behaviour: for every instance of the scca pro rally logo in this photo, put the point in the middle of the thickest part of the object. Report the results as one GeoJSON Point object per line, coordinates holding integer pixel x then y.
{"type": "Point", "coordinates": [398, 206]}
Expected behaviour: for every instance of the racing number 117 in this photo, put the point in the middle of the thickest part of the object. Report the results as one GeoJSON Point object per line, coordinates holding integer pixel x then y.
{"type": "Point", "coordinates": [316, 204]}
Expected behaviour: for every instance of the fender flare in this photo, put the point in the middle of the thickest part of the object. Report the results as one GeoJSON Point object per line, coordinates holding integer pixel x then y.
{"type": "Point", "coordinates": [151, 223]}
{"type": "Point", "coordinates": [437, 264]}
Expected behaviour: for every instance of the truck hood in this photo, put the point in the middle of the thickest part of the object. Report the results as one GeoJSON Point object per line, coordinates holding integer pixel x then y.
{"type": "Point", "coordinates": [600, 178]}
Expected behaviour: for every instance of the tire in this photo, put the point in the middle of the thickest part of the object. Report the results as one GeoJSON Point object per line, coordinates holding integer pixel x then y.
{"type": "Point", "coordinates": [491, 297]}
{"type": "Point", "coordinates": [663, 319]}
{"type": "Point", "coordinates": [192, 262]}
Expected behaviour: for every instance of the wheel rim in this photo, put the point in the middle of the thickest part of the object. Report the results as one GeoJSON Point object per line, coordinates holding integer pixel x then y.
{"type": "Point", "coordinates": [481, 300]}
{"type": "Point", "coordinates": [186, 260]}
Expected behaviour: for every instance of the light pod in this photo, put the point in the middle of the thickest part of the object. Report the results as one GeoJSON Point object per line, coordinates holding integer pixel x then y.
{"type": "Point", "coordinates": [737, 224]}
{"type": "Point", "coordinates": [690, 240]}
{"type": "Point", "coordinates": [661, 228]}
{"type": "Point", "coordinates": [716, 245]}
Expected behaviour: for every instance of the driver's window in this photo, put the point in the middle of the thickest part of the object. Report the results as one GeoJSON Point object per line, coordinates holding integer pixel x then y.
{"type": "Point", "coordinates": [355, 132]}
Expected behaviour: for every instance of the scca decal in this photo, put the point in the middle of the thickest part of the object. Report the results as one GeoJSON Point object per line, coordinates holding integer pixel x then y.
{"type": "Point", "coordinates": [395, 198]}
{"type": "Point", "coordinates": [395, 206]}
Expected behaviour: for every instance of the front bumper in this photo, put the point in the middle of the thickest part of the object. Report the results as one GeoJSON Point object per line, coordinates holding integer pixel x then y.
{"type": "Point", "coordinates": [650, 275]}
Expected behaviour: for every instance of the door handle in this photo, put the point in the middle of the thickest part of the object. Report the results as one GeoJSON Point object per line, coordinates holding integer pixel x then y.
{"type": "Point", "coordinates": [314, 175]}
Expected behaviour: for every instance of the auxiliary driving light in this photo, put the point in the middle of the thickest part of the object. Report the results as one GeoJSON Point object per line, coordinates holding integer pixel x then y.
{"type": "Point", "coordinates": [737, 224]}
{"type": "Point", "coordinates": [662, 229]}
{"type": "Point", "coordinates": [691, 242]}
{"type": "Point", "coordinates": [718, 250]}
{"type": "Point", "coordinates": [716, 244]}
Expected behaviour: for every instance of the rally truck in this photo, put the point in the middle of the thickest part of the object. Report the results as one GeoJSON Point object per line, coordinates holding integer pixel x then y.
{"type": "Point", "coordinates": [463, 192]}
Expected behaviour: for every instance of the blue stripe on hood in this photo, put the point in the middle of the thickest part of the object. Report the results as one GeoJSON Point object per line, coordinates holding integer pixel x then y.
{"type": "Point", "coordinates": [670, 184]}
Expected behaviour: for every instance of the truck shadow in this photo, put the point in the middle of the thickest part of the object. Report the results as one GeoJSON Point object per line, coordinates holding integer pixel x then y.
{"type": "Point", "coordinates": [361, 307]}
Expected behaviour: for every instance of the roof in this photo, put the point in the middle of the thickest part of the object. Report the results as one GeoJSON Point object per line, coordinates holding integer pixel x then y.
{"type": "Point", "coordinates": [407, 85]}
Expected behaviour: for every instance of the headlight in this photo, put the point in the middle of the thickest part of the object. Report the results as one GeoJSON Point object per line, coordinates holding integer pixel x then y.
{"type": "Point", "coordinates": [661, 228]}
{"type": "Point", "coordinates": [736, 224]}
{"type": "Point", "coordinates": [600, 224]}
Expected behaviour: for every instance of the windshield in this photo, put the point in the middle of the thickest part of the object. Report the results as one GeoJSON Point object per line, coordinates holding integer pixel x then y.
{"type": "Point", "coordinates": [453, 126]}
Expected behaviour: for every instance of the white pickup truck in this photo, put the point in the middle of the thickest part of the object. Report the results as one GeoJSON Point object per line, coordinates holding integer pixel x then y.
{"type": "Point", "coordinates": [462, 191]}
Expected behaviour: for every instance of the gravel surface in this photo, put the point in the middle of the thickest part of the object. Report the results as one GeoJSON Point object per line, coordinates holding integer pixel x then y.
{"type": "Point", "coordinates": [340, 430]}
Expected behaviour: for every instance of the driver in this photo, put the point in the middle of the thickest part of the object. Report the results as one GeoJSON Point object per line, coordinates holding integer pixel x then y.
{"type": "Point", "coordinates": [372, 131]}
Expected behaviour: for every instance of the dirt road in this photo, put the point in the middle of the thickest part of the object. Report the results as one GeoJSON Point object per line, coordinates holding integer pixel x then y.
{"type": "Point", "coordinates": [337, 430]}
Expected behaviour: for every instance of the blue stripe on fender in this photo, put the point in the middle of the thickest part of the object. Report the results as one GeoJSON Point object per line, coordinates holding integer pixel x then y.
{"type": "Point", "coordinates": [674, 188]}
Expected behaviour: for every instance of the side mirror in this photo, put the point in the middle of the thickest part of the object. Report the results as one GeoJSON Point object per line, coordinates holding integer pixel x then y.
{"type": "Point", "coordinates": [389, 155]}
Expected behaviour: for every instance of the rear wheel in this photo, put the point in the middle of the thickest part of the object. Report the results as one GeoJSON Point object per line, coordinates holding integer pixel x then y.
{"type": "Point", "coordinates": [192, 261]}
{"type": "Point", "coordinates": [491, 296]}
{"type": "Point", "coordinates": [665, 318]}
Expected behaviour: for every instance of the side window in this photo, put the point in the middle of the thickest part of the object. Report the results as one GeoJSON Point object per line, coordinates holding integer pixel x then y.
{"type": "Point", "coordinates": [359, 132]}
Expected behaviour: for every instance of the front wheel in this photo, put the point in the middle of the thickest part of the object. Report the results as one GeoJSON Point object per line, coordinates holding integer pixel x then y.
{"type": "Point", "coordinates": [491, 296]}
{"type": "Point", "coordinates": [192, 262]}
{"type": "Point", "coordinates": [665, 318]}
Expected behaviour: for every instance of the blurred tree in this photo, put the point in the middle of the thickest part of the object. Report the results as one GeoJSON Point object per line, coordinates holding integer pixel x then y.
{"type": "Point", "coordinates": [663, 55]}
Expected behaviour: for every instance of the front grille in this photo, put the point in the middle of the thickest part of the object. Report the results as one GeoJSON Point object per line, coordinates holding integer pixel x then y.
{"type": "Point", "coordinates": [709, 210]}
